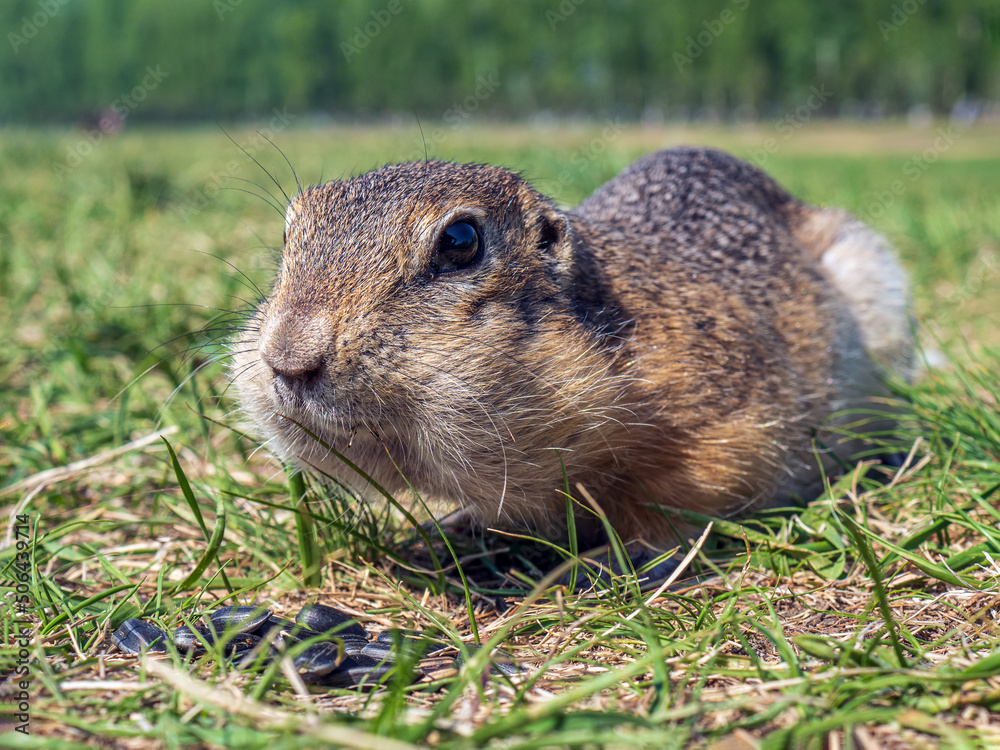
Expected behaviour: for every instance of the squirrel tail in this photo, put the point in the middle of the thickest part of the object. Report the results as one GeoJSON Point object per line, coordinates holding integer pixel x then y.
{"type": "Point", "coordinates": [862, 266]}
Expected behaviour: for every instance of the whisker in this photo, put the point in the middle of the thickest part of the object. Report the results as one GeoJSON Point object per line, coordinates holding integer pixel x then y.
{"type": "Point", "coordinates": [277, 208]}
{"type": "Point", "coordinates": [254, 160]}
{"type": "Point", "coordinates": [162, 360]}
{"type": "Point", "coordinates": [272, 196]}
{"type": "Point", "coordinates": [153, 305]}
{"type": "Point", "coordinates": [249, 282]}
{"type": "Point", "coordinates": [187, 379]}
{"type": "Point", "coordinates": [298, 184]}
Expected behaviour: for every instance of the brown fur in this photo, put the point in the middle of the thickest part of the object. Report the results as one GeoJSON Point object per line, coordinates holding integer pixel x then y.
{"type": "Point", "coordinates": [674, 341]}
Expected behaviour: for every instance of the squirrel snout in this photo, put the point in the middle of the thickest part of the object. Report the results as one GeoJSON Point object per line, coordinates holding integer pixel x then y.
{"type": "Point", "coordinates": [293, 349]}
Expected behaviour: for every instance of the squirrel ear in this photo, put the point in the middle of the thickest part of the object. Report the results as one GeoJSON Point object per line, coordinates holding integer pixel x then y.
{"type": "Point", "coordinates": [552, 229]}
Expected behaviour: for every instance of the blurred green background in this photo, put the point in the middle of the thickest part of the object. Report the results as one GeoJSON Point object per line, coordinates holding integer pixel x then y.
{"type": "Point", "coordinates": [64, 60]}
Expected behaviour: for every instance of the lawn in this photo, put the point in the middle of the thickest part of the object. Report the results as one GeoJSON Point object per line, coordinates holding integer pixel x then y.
{"type": "Point", "coordinates": [866, 619]}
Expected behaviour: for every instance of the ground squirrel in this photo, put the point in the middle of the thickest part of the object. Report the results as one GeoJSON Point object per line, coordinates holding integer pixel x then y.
{"type": "Point", "coordinates": [674, 341]}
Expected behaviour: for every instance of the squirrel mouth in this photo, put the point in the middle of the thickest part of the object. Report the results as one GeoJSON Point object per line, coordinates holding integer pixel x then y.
{"type": "Point", "coordinates": [312, 439]}
{"type": "Point", "coordinates": [307, 408]}
{"type": "Point", "coordinates": [297, 393]}
{"type": "Point", "coordinates": [302, 405]}
{"type": "Point", "coordinates": [306, 424]}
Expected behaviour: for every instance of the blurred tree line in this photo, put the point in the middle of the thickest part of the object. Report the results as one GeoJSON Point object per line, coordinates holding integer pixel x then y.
{"type": "Point", "coordinates": [204, 59]}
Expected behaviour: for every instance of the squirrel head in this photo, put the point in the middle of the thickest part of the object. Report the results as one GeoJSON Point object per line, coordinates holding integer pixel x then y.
{"type": "Point", "coordinates": [408, 255]}
{"type": "Point", "coordinates": [413, 314]}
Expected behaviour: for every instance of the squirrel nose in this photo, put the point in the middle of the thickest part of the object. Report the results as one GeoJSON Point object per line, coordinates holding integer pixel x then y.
{"type": "Point", "coordinates": [291, 349]}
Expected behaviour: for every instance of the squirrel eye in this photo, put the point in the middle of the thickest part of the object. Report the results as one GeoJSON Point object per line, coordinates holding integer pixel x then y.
{"type": "Point", "coordinates": [457, 247]}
